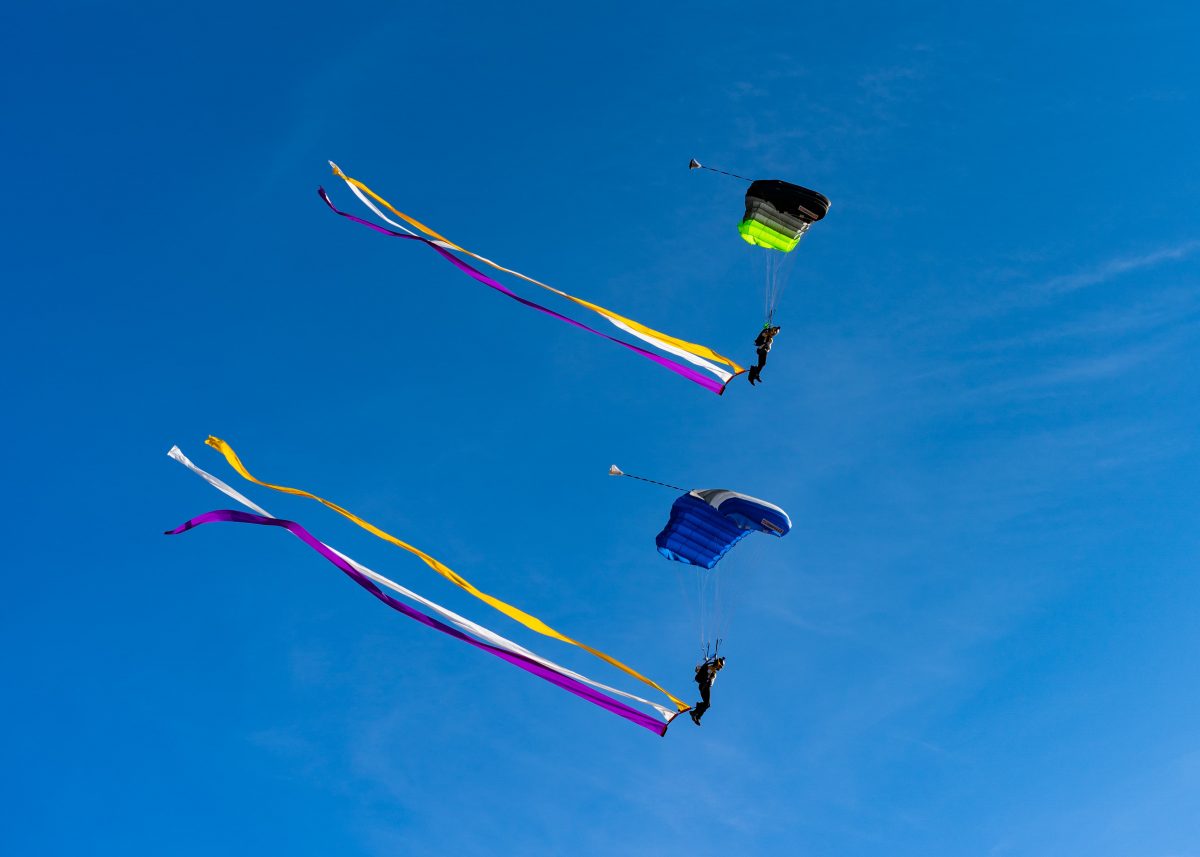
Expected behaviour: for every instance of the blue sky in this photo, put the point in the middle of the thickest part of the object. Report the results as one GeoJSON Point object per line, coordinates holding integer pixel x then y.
{"type": "Point", "coordinates": [981, 414]}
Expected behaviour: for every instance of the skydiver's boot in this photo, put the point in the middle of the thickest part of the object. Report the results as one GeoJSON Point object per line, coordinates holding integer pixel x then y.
{"type": "Point", "coordinates": [754, 370]}
{"type": "Point", "coordinates": [695, 716]}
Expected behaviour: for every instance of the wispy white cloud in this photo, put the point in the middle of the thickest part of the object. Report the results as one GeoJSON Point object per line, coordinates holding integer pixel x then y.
{"type": "Point", "coordinates": [1002, 289]}
{"type": "Point", "coordinates": [891, 82]}
{"type": "Point", "coordinates": [1164, 310]}
{"type": "Point", "coordinates": [1077, 370]}
{"type": "Point", "coordinates": [1116, 267]}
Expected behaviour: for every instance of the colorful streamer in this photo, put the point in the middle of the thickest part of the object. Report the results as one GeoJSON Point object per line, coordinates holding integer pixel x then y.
{"type": "Point", "coordinates": [688, 350]}
{"type": "Point", "coordinates": [529, 621]}
{"type": "Point", "coordinates": [570, 685]}
{"type": "Point", "coordinates": [460, 622]}
{"type": "Point", "coordinates": [690, 374]}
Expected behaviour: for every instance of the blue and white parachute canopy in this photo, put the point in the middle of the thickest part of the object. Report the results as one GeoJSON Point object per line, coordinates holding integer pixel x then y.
{"type": "Point", "coordinates": [705, 524]}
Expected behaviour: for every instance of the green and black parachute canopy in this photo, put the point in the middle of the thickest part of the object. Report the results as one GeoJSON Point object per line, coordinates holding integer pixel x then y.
{"type": "Point", "coordinates": [778, 213]}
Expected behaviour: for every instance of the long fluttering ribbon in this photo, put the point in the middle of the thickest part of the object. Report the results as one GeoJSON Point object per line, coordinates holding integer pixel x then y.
{"type": "Point", "coordinates": [688, 350]}
{"type": "Point", "coordinates": [570, 685]}
{"type": "Point", "coordinates": [717, 387]}
{"type": "Point", "coordinates": [526, 619]}
{"type": "Point", "coordinates": [452, 618]}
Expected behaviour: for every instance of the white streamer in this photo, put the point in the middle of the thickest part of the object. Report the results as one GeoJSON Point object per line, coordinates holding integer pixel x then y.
{"type": "Point", "coordinates": [463, 624]}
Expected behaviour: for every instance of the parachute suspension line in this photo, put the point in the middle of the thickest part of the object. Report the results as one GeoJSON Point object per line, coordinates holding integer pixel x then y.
{"type": "Point", "coordinates": [616, 471]}
{"type": "Point", "coordinates": [723, 618]}
{"type": "Point", "coordinates": [771, 291]}
{"type": "Point", "coordinates": [783, 273]}
{"type": "Point", "coordinates": [714, 606]}
{"type": "Point", "coordinates": [767, 292]}
{"type": "Point", "coordinates": [729, 599]}
{"type": "Point", "coordinates": [722, 625]}
{"type": "Point", "coordinates": [696, 165]}
{"type": "Point", "coordinates": [776, 268]}
{"type": "Point", "coordinates": [769, 301]}
{"type": "Point", "coordinates": [686, 597]}
{"type": "Point", "coordinates": [711, 649]}
{"type": "Point", "coordinates": [708, 585]}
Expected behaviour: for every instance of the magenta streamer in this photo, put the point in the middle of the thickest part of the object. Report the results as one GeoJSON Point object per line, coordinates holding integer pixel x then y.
{"type": "Point", "coordinates": [690, 374]}
{"type": "Point", "coordinates": [540, 670]}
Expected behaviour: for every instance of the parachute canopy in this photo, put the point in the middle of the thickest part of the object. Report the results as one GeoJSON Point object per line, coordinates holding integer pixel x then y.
{"type": "Point", "coordinates": [705, 524]}
{"type": "Point", "coordinates": [778, 213]}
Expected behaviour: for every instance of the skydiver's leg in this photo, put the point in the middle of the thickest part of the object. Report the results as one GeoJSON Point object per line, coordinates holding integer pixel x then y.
{"type": "Point", "coordinates": [703, 705]}
{"type": "Point", "coordinates": [756, 371]}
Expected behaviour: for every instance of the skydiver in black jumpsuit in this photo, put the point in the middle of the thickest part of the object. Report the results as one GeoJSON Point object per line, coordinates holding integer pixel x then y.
{"type": "Point", "coordinates": [762, 345]}
{"type": "Point", "coordinates": [706, 676]}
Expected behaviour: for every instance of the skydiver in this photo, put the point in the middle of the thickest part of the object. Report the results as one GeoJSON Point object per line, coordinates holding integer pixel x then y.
{"type": "Point", "coordinates": [706, 676]}
{"type": "Point", "coordinates": [762, 344]}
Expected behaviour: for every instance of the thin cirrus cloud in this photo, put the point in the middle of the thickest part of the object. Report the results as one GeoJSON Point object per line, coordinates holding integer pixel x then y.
{"type": "Point", "coordinates": [1116, 267]}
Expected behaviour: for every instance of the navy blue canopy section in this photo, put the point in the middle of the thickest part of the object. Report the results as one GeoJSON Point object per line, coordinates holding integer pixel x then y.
{"type": "Point", "coordinates": [704, 525]}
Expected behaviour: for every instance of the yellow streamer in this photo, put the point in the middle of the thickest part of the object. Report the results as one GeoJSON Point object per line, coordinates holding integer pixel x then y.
{"type": "Point", "coordinates": [531, 622]}
{"type": "Point", "coordinates": [690, 347]}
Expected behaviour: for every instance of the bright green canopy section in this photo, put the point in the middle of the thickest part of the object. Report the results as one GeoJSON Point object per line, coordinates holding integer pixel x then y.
{"type": "Point", "coordinates": [762, 235]}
